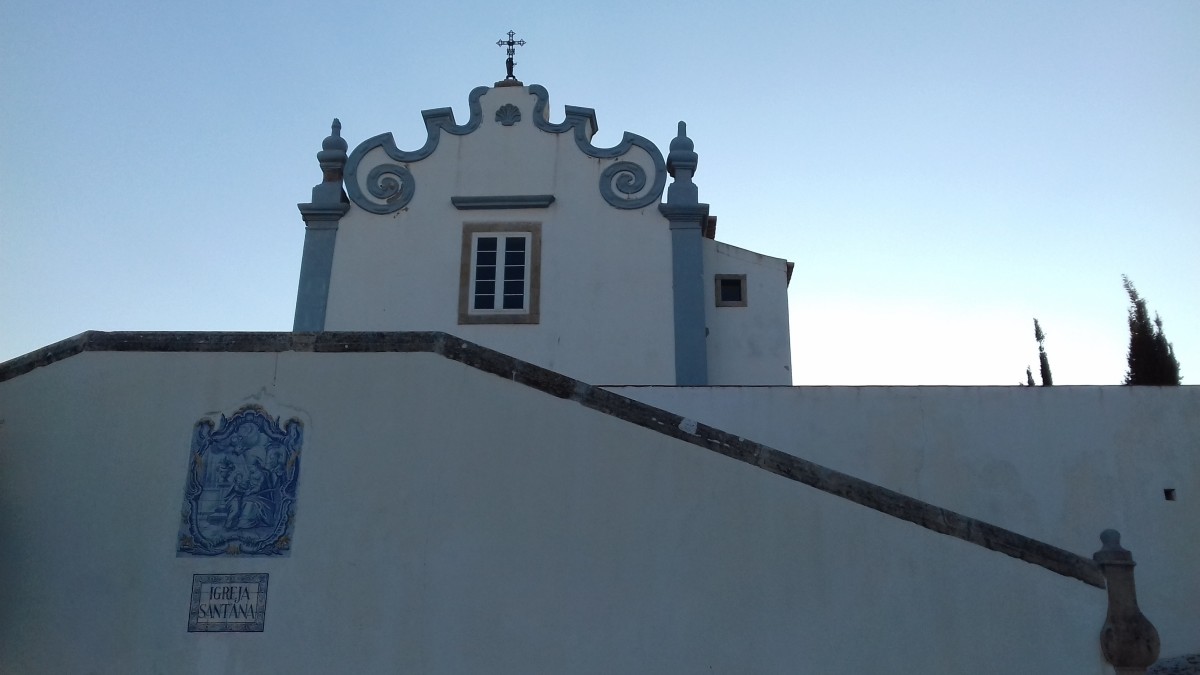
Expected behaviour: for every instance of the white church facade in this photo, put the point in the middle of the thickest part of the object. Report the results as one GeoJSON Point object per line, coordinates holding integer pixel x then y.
{"type": "Point", "coordinates": [534, 417]}
{"type": "Point", "coordinates": [518, 233]}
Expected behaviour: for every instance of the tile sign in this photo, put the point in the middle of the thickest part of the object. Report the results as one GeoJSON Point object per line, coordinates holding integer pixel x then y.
{"type": "Point", "coordinates": [227, 603]}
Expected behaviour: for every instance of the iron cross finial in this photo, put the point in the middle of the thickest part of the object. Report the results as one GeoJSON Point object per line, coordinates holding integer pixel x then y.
{"type": "Point", "coordinates": [512, 51]}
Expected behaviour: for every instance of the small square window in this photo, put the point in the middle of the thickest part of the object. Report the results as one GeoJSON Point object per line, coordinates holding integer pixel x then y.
{"type": "Point", "coordinates": [500, 273]}
{"type": "Point", "coordinates": [730, 290]}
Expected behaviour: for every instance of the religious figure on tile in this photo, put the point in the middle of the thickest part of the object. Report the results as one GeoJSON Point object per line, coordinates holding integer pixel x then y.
{"type": "Point", "coordinates": [241, 490]}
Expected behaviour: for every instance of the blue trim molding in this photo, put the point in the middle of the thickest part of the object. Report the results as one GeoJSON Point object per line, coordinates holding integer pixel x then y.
{"type": "Point", "coordinates": [623, 184]}
{"type": "Point", "coordinates": [502, 202]}
{"type": "Point", "coordinates": [316, 268]}
{"type": "Point", "coordinates": [687, 217]}
{"type": "Point", "coordinates": [321, 216]}
{"type": "Point", "coordinates": [687, 281]}
{"type": "Point", "coordinates": [397, 182]}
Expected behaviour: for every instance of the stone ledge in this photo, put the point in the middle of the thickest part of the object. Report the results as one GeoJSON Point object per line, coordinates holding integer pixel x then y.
{"type": "Point", "coordinates": [782, 464]}
{"type": "Point", "coordinates": [1180, 665]}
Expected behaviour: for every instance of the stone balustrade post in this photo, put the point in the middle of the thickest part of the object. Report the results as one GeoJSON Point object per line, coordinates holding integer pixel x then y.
{"type": "Point", "coordinates": [1128, 640]}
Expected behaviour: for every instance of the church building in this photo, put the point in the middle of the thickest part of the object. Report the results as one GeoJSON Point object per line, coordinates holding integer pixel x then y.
{"type": "Point", "coordinates": [533, 417]}
{"type": "Point", "coordinates": [518, 233]}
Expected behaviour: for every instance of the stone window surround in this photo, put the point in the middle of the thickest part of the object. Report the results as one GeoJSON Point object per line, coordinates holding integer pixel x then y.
{"type": "Point", "coordinates": [533, 261]}
{"type": "Point", "coordinates": [718, 278]}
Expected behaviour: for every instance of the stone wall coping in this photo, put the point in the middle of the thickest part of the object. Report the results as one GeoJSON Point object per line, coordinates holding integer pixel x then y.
{"type": "Point", "coordinates": [881, 499]}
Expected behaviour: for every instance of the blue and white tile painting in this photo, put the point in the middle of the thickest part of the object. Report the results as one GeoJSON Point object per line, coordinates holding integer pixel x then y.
{"type": "Point", "coordinates": [240, 495]}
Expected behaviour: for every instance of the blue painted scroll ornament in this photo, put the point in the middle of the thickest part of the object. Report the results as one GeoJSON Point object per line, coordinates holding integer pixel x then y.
{"type": "Point", "coordinates": [392, 183]}
{"type": "Point", "coordinates": [240, 495]}
{"type": "Point", "coordinates": [624, 184]}
{"type": "Point", "coordinates": [396, 188]}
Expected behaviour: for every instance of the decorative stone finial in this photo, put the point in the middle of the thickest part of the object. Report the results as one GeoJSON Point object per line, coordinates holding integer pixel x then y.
{"type": "Point", "coordinates": [321, 217]}
{"type": "Point", "coordinates": [1110, 548]}
{"type": "Point", "coordinates": [1128, 640]}
{"type": "Point", "coordinates": [334, 140]}
{"type": "Point", "coordinates": [681, 164]}
{"type": "Point", "coordinates": [332, 156]}
{"type": "Point", "coordinates": [681, 142]}
{"type": "Point", "coordinates": [682, 155]}
{"type": "Point", "coordinates": [332, 159]}
{"type": "Point", "coordinates": [686, 217]}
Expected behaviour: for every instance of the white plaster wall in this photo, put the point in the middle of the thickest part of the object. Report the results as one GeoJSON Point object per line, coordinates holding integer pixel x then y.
{"type": "Point", "coordinates": [451, 521]}
{"type": "Point", "coordinates": [751, 344]}
{"type": "Point", "coordinates": [606, 298]}
{"type": "Point", "coordinates": [1060, 464]}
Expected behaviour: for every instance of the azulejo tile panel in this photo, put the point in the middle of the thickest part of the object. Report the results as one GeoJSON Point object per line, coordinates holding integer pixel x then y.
{"type": "Point", "coordinates": [240, 495]}
{"type": "Point", "coordinates": [228, 603]}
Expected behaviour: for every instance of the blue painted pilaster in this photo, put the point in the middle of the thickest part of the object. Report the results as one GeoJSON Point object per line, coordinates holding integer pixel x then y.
{"type": "Point", "coordinates": [687, 217]}
{"type": "Point", "coordinates": [315, 269]}
{"type": "Point", "coordinates": [321, 216]}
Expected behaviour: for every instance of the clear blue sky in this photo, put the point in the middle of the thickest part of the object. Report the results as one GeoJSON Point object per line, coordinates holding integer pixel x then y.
{"type": "Point", "coordinates": [940, 172]}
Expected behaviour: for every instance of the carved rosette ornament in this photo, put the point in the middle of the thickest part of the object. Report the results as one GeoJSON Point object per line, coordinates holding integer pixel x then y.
{"type": "Point", "coordinates": [1128, 640]}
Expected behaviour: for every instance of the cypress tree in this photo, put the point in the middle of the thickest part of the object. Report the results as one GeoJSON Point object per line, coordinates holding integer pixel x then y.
{"type": "Point", "coordinates": [1029, 377]}
{"type": "Point", "coordinates": [1151, 357]}
{"type": "Point", "coordinates": [1043, 360]}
